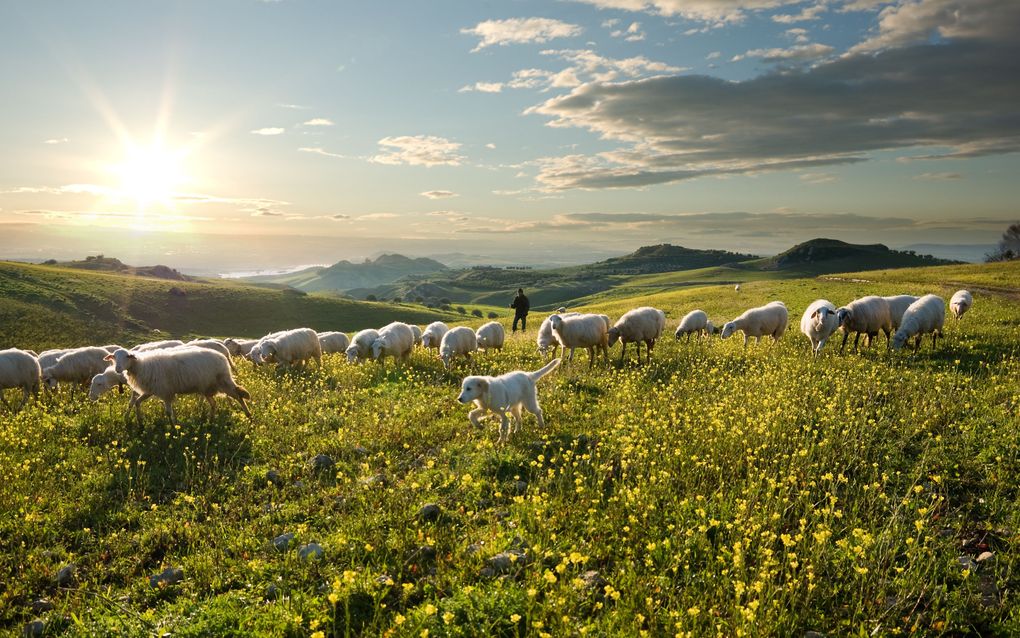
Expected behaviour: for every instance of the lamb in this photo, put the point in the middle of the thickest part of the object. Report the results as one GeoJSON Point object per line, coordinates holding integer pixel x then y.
{"type": "Point", "coordinates": [433, 335]}
{"type": "Point", "coordinates": [491, 336]}
{"type": "Point", "coordinates": [694, 322]}
{"type": "Point", "coordinates": [395, 340]}
{"type": "Point", "coordinates": [214, 345]}
{"type": "Point", "coordinates": [582, 331]}
{"type": "Point", "coordinates": [505, 393]}
{"type": "Point", "coordinates": [361, 345]}
{"type": "Point", "coordinates": [546, 337]}
{"type": "Point", "coordinates": [457, 341]}
{"type": "Point", "coordinates": [240, 347]}
{"type": "Point", "coordinates": [19, 369]}
{"type": "Point", "coordinates": [157, 345]}
{"type": "Point", "coordinates": [416, 331]}
{"type": "Point", "coordinates": [333, 342]}
{"type": "Point", "coordinates": [898, 304]}
{"type": "Point", "coordinates": [166, 373]}
{"type": "Point", "coordinates": [105, 381]}
{"type": "Point", "coordinates": [769, 320]}
{"type": "Point", "coordinates": [77, 366]}
{"type": "Point", "coordinates": [818, 323]}
{"type": "Point", "coordinates": [867, 315]}
{"type": "Point", "coordinates": [641, 324]}
{"type": "Point", "coordinates": [291, 347]}
{"type": "Point", "coordinates": [924, 316]}
{"type": "Point", "coordinates": [960, 303]}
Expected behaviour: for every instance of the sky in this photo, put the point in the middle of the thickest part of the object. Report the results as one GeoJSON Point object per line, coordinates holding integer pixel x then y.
{"type": "Point", "coordinates": [249, 135]}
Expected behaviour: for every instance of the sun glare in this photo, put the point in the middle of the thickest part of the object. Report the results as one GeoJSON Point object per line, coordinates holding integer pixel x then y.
{"type": "Point", "coordinates": [150, 176]}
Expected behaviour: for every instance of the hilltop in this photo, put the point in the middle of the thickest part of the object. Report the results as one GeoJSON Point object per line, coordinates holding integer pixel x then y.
{"type": "Point", "coordinates": [345, 275]}
{"type": "Point", "coordinates": [819, 256]}
{"type": "Point", "coordinates": [102, 263]}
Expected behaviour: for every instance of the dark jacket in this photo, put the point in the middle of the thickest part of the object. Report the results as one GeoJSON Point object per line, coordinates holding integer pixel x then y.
{"type": "Point", "coordinates": [521, 305]}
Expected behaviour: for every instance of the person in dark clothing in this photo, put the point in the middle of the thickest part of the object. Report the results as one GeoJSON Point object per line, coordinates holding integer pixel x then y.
{"type": "Point", "coordinates": [521, 306]}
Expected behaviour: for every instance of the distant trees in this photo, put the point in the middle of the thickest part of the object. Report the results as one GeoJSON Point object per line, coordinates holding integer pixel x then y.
{"type": "Point", "coordinates": [462, 310]}
{"type": "Point", "coordinates": [397, 300]}
{"type": "Point", "coordinates": [476, 313]}
{"type": "Point", "coordinates": [1009, 246]}
{"type": "Point", "coordinates": [371, 298]}
{"type": "Point", "coordinates": [493, 315]}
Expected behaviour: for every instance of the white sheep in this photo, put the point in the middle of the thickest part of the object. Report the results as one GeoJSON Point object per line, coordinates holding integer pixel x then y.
{"type": "Point", "coordinates": [157, 345]}
{"type": "Point", "coordinates": [49, 357]}
{"type": "Point", "coordinates": [490, 336]}
{"type": "Point", "coordinates": [19, 369]}
{"type": "Point", "coordinates": [214, 345]}
{"type": "Point", "coordinates": [818, 323]}
{"type": "Point", "coordinates": [361, 345]}
{"type": "Point", "coordinates": [867, 315]}
{"type": "Point", "coordinates": [395, 340]}
{"type": "Point", "coordinates": [165, 373]}
{"type": "Point", "coordinates": [736, 288]}
{"type": "Point", "coordinates": [582, 331]}
{"type": "Point", "coordinates": [898, 304]}
{"type": "Point", "coordinates": [643, 324]}
{"type": "Point", "coordinates": [111, 347]}
{"type": "Point", "coordinates": [290, 348]}
{"type": "Point", "coordinates": [105, 381]}
{"type": "Point", "coordinates": [769, 320]}
{"type": "Point", "coordinates": [77, 367]}
{"type": "Point", "coordinates": [546, 338]}
{"type": "Point", "coordinates": [960, 303]}
{"type": "Point", "coordinates": [927, 315]}
{"type": "Point", "coordinates": [459, 341]}
{"type": "Point", "coordinates": [433, 335]}
{"type": "Point", "coordinates": [334, 342]}
{"type": "Point", "coordinates": [694, 322]}
{"type": "Point", "coordinates": [240, 347]}
{"type": "Point", "coordinates": [416, 331]}
{"type": "Point", "coordinates": [255, 353]}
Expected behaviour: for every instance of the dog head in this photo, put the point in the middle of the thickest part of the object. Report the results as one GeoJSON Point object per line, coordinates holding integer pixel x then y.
{"type": "Point", "coordinates": [473, 388]}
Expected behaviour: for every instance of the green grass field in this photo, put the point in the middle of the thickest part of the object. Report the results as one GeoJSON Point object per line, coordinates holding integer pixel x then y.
{"type": "Point", "coordinates": [715, 492]}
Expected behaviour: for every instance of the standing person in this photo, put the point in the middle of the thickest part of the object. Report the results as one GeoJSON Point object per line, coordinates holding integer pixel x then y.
{"type": "Point", "coordinates": [521, 306]}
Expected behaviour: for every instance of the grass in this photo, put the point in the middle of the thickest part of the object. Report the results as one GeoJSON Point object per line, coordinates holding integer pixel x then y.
{"type": "Point", "coordinates": [716, 491]}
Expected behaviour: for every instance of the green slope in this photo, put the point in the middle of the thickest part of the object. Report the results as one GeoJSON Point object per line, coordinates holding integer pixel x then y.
{"type": "Point", "coordinates": [45, 306]}
{"type": "Point", "coordinates": [345, 275]}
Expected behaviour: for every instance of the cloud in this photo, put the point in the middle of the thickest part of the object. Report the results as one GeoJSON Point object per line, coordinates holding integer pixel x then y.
{"type": "Point", "coordinates": [718, 12]}
{"type": "Point", "coordinates": [374, 216]}
{"type": "Point", "coordinates": [810, 12]}
{"type": "Point", "coordinates": [317, 150]}
{"type": "Point", "coordinates": [296, 107]}
{"type": "Point", "coordinates": [817, 178]}
{"type": "Point", "coordinates": [318, 121]}
{"type": "Point", "coordinates": [418, 150]}
{"type": "Point", "coordinates": [339, 217]}
{"type": "Point", "coordinates": [519, 31]}
{"type": "Point", "coordinates": [482, 87]}
{"type": "Point", "coordinates": [56, 140]}
{"type": "Point", "coordinates": [490, 145]}
{"type": "Point", "coordinates": [800, 52]}
{"type": "Point", "coordinates": [673, 128]}
{"type": "Point", "coordinates": [269, 130]}
{"type": "Point", "coordinates": [438, 194]}
{"type": "Point", "coordinates": [633, 33]}
{"type": "Point", "coordinates": [914, 22]}
{"type": "Point", "coordinates": [938, 177]}
{"type": "Point", "coordinates": [266, 213]}
{"type": "Point", "coordinates": [713, 55]}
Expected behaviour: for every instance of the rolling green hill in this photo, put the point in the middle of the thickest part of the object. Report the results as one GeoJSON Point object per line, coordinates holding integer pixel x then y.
{"type": "Point", "coordinates": [819, 256]}
{"type": "Point", "coordinates": [344, 275]}
{"type": "Point", "coordinates": [48, 306]}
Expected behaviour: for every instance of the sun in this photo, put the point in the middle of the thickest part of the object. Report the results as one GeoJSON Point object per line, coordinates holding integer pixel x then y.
{"type": "Point", "coordinates": [150, 175]}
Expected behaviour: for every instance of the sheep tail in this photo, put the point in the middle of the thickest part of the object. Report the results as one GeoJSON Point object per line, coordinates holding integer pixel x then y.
{"type": "Point", "coordinates": [546, 369]}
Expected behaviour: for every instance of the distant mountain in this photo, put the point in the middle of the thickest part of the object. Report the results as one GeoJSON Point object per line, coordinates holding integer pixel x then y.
{"type": "Point", "coordinates": [974, 253]}
{"type": "Point", "coordinates": [661, 258]}
{"type": "Point", "coordinates": [345, 275]}
{"type": "Point", "coordinates": [819, 256]}
{"type": "Point", "coordinates": [101, 263]}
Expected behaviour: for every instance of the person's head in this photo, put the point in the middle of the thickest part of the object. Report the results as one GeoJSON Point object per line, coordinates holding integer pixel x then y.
{"type": "Point", "coordinates": [520, 291]}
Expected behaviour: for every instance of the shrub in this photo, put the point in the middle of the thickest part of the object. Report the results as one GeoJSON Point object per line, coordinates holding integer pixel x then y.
{"type": "Point", "coordinates": [476, 313]}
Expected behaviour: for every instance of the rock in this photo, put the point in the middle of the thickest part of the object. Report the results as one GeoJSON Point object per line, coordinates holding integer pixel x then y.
{"type": "Point", "coordinates": [323, 463]}
{"type": "Point", "coordinates": [430, 513]}
{"type": "Point", "coordinates": [272, 476]}
{"type": "Point", "coordinates": [272, 592]}
{"type": "Point", "coordinates": [66, 575]}
{"type": "Point", "coordinates": [167, 577]}
{"type": "Point", "coordinates": [42, 604]}
{"type": "Point", "coordinates": [594, 582]}
{"type": "Point", "coordinates": [983, 556]}
{"type": "Point", "coordinates": [34, 628]}
{"type": "Point", "coordinates": [282, 542]}
{"type": "Point", "coordinates": [311, 551]}
{"type": "Point", "coordinates": [505, 562]}
{"type": "Point", "coordinates": [967, 563]}
{"type": "Point", "coordinates": [487, 572]}
{"type": "Point", "coordinates": [473, 549]}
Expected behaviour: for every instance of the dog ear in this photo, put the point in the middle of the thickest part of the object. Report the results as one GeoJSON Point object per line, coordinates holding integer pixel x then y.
{"type": "Point", "coordinates": [483, 384]}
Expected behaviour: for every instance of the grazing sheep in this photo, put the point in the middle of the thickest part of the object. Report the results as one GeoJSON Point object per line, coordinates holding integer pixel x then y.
{"type": "Point", "coordinates": [769, 320]}
{"type": "Point", "coordinates": [255, 353]}
{"type": "Point", "coordinates": [49, 357]}
{"type": "Point", "coordinates": [960, 303]}
{"type": "Point", "coordinates": [290, 348]}
{"type": "Point", "coordinates": [546, 338]}
{"type": "Point", "coordinates": [736, 288]}
{"type": "Point", "coordinates": [416, 331]}
{"type": "Point", "coordinates": [643, 324]}
{"type": "Point", "coordinates": [924, 316]}
{"type": "Point", "coordinates": [240, 347]}
{"type": "Point", "coordinates": [395, 340]}
{"type": "Point", "coordinates": [166, 373]}
{"type": "Point", "coordinates": [867, 315]}
{"type": "Point", "coordinates": [582, 331]}
{"type": "Point", "coordinates": [214, 345]}
{"type": "Point", "coordinates": [105, 381]}
{"type": "Point", "coordinates": [19, 369]}
{"type": "Point", "coordinates": [491, 336]}
{"type": "Point", "coordinates": [457, 341]}
{"type": "Point", "coordinates": [433, 335]}
{"type": "Point", "coordinates": [694, 322]}
{"type": "Point", "coordinates": [898, 304]}
{"type": "Point", "coordinates": [157, 345]}
{"type": "Point", "coordinates": [818, 323]}
{"type": "Point", "coordinates": [111, 347]}
{"type": "Point", "coordinates": [333, 342]}
{"type": "Point", "coordinates": [505, 393]}
{"type": "Point", "coordinates": [361, 345]}
{"type": "Point", "coordinates": [77, 366]}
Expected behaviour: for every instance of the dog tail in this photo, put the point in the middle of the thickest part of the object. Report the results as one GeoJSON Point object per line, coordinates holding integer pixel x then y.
{"type": "Point", "coordinates": [549, 367]}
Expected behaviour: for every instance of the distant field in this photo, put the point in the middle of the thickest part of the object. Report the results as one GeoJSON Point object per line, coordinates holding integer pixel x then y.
{"type": "Point", "coordinates": [718, 491]}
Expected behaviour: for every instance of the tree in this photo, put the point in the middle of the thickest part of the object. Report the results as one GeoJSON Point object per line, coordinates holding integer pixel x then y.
{"type": "Point", "coordinates": [462, 310]}
{"type": "Point", "coordinates": [1009, 245]}
{"type": "Point", "coordinates": [371, 298]}
{"type": "Point", "coordinates": [476, 313]}
{"type": "Point", "coordinates": [493, 315]}
{"type": "Point", "coordinates": [397, 300]}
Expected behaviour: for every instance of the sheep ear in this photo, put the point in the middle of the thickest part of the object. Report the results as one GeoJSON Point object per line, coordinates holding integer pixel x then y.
{"type": "Point", "coordinates": [108, 357]}
{"type": "Point", "coordinates": [814, 314]}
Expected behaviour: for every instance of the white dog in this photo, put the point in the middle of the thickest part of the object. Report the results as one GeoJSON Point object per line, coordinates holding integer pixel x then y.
{"type": "Point", "coordinates": [505, 393]}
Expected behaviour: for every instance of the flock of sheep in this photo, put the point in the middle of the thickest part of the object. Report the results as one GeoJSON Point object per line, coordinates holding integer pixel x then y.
{"type": "Point", "coordinates": [165, 369]}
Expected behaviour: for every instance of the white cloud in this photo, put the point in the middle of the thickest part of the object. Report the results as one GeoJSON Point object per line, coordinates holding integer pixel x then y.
{"type": "Point", "coordinates": [418, 150]}
{"type": "Point", "coordinates": [717, 12]}
{"type": "Point", "coordinates": [938, 177]}
{"type": "Point", "coordinates": [375, 216]}
{"type": "Point", "coordinates": [490, 145]}
{"type": "Point", "coordinates": [713, 55]}
{"type": "Point", "coordinates": [438, 194]}
{"type": "Point", "coordinates": [482, 87]}
{"type": "Point", "coordinates": [296, 107]}
{"type": "Point", "coordinates": [321, 151]}
{"type": "Point", "coordinates": [633, 33]}
{"type": "Point", "coordinates": [318, 121]}
{"type": "Point", "coordinates": [810, 12]}
{"type": "Point", "coordinates": [916, 21]}
{"type": "Point", "coordinates": [519, 31]}
{"type": "Point", "coordinates": [817, 178]}
{"type": "Point", "coordinates": [269, 130]}
{"type": "Point", "coordinates": [56, 140]}
{"type": "Point", "coordinates": [798, 52]}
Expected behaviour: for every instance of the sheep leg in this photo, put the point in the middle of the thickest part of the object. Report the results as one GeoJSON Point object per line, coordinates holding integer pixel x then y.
{"type": "Point", "coordinates": [212, 406]}
{"type": "Point", "coordinates": [846, 335]}
{"type": "Point", "coordinates": [24, 399]}
{"type": "Point", "coordinates": [623, 349]}
{"type": "Point", "coordinates": [571, 358]}
{"type": "Point", "coordinates": [168, 407]}
{"type": "Point", "coordinates": [648, 349]}
{"type": "Point", "coordinates": [857, 340]}
{"type": "Point", "coordinates": [746, 339]}
{"type": "Point", "coordinates": [138, 408]}
{"type": "Point", "coordinates": [591, 354]}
